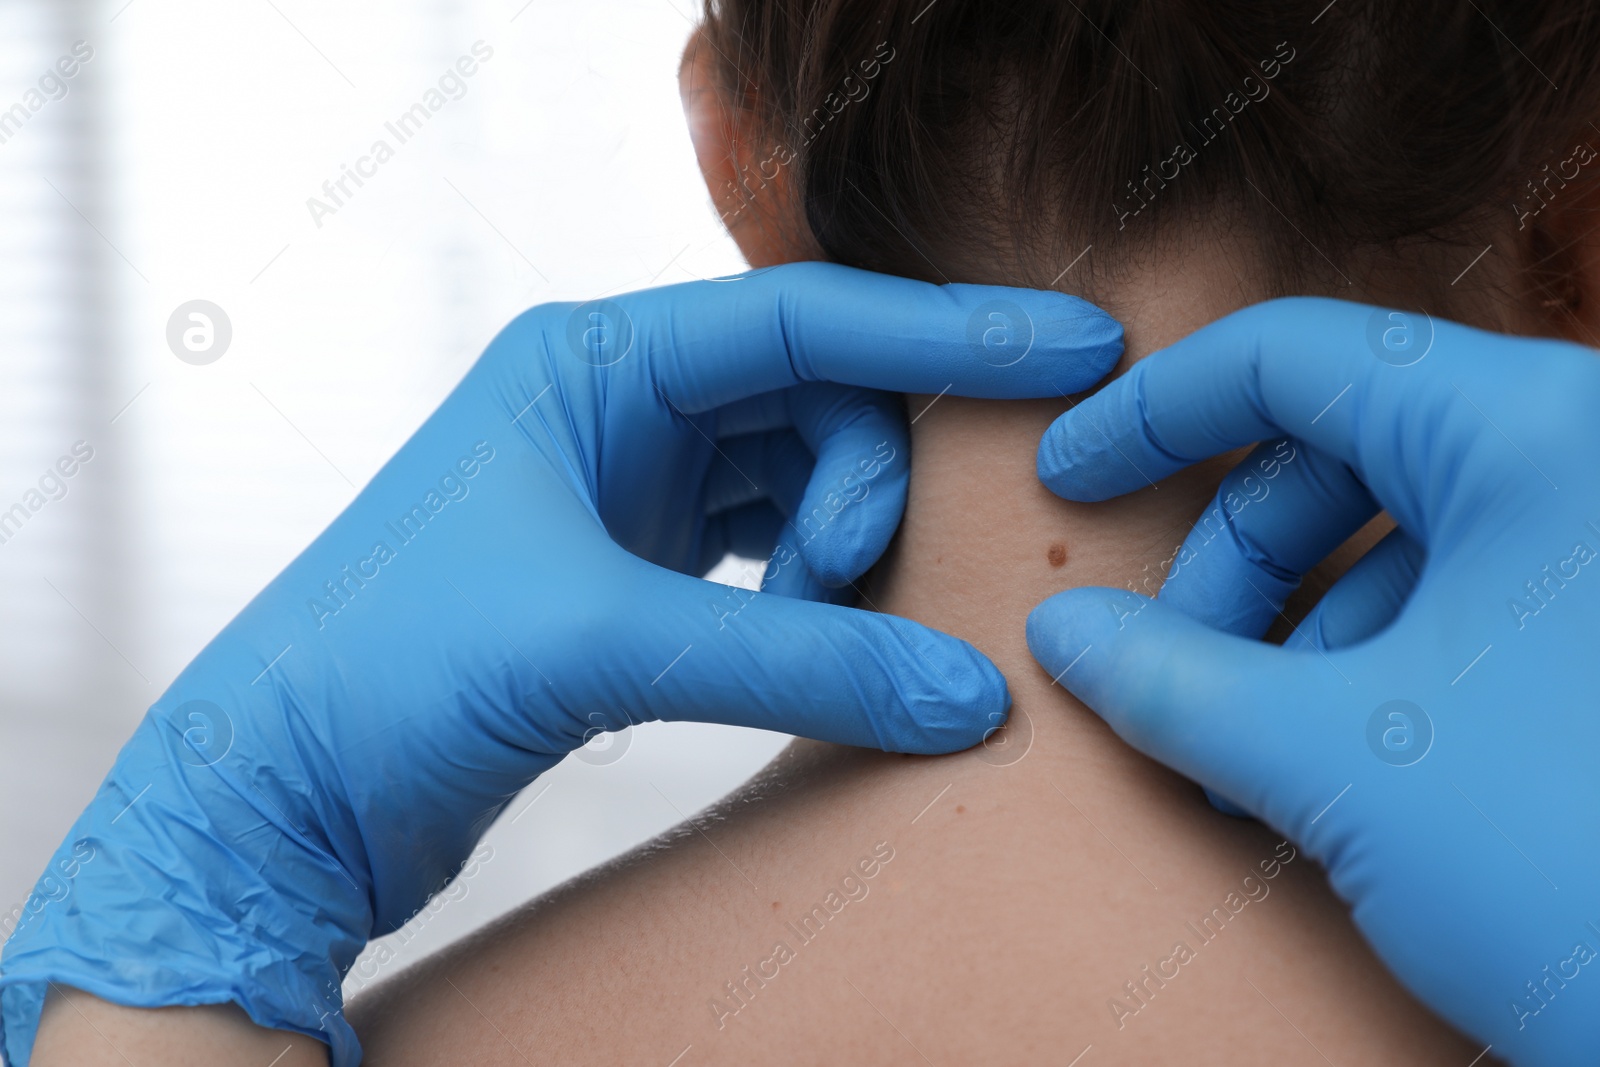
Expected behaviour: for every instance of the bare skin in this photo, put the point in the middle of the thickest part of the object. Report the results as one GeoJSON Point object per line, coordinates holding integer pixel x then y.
{"type": "Point", "coordinates": [995, 906]}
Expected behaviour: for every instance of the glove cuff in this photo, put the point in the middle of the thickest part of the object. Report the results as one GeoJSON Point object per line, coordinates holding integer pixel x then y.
{"type": "Point", "coordinates": [187, 888]}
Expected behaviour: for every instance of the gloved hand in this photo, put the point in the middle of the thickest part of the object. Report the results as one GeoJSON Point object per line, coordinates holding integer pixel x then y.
{"type": "Point", "coordinates": [1430, 733]}
{"type": "Point", "coordinates": [514, 581]}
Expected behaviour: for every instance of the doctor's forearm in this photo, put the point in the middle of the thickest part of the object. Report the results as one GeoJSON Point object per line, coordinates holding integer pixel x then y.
{"type": "Point", "coordinates": [80, 1030]}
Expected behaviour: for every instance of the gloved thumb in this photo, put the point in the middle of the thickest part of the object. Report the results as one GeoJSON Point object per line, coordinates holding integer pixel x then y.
{"type": "Point", "coordinates": [1225, 711]}
{"type": "Point", "coordinates": [817, 670]}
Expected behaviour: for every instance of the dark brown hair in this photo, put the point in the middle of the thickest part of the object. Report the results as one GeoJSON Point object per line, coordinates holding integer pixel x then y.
{"type": "Point", "coordinates": [911, 127]}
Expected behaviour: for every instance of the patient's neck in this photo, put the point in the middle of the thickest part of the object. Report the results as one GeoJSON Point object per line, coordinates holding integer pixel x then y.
{"type": "Point", "coordinates": [983, 541]}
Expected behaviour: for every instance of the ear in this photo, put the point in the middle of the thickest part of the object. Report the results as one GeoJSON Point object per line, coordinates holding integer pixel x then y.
{"type": "Point", "coordinates": [1561, 246]}
{"type": "Point", "coordinates": [750, 176]}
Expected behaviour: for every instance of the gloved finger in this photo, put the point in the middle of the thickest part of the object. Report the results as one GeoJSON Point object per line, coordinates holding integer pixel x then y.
{"type": "Point", "coordinates": [1226, 806]}
{"type": "Point", "coordinates": [778, 466]}
{"type": "Point", "coordinates": [759, 531]}
{"type": "Point", "coordinates": [748, 530]}
{"type": "Point", "coordinates": [1302, 367]}
{"type": "Point", "coordinates": [1230, 713]}
{"type": "Point", "coordinates": [708, 343]}
{"type": "Point", "coordinates": [759, 466]}
{"type": "Point", "coordinates": [817, 670]}
{"type": "Point", "coordinates": [856, 494]}
{"type": "Point", "coordinates": [792, 578]}
{"type": "Point", "coordinates": [788, 574]}
{"type": "Point", "coordinates": [755, 414]}
{"type": "Point", "coordinates": [1367, 598]}
{"type": "Point", "coordinates": [1241, 561]}
{"type": "Point", "coordinates": [1275, 516]}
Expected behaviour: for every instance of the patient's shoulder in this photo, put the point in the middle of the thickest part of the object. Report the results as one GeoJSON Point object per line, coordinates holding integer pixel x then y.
{"type": "Point", "coordinates": [1005, 905]}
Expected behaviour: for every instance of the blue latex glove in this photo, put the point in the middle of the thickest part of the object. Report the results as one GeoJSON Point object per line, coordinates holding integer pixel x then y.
{"type": "Point", "coordinates": [1430, 733]}
{"type": "Point", "coordinates": [514, 581]}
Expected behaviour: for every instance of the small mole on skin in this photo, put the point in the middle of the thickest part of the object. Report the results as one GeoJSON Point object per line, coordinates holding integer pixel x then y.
{"type": "Point", "coordinates": [961, 809]}
{"type": "Point", "coordinates": [1057, 555]}
{"type": "Point", "coordinates": [776, 904]}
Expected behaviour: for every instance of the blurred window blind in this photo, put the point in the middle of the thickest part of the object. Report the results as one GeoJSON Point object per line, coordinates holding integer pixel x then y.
{"type": "Point", "coordinates": [52, 363]}
{"type": "Point", "coordinates": [177, 167]}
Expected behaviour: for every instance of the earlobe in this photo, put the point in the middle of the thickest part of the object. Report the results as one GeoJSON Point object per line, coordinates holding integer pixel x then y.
{"type": "Point", "coordinates": [752, 190]}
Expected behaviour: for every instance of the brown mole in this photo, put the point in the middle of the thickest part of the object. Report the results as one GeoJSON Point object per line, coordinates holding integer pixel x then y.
{"type": "Point", "coordinates": [1057, 554]}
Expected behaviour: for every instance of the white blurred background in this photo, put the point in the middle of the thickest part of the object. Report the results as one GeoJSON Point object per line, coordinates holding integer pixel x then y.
{"type": "Point", "coordinates": [176, 165]}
